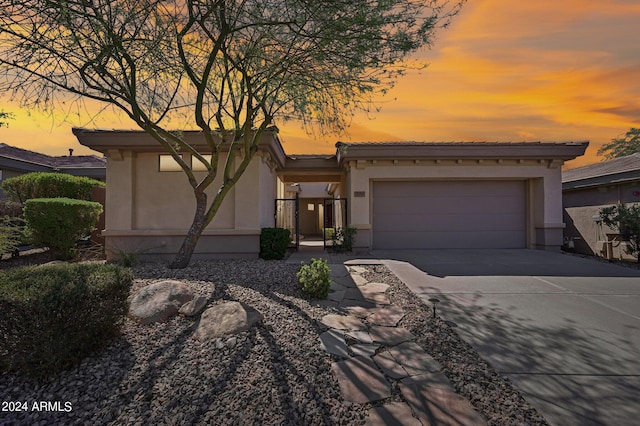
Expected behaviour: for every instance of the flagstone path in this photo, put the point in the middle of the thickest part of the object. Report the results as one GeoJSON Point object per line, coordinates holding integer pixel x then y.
{"type": "Point", "coordinates": [378, 355]}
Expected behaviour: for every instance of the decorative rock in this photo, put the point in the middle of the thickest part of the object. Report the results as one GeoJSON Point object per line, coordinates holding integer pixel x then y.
{"type": "Point", "coordinates": [333, 342]}
{"type": "Point", "coordinates": [193, 307]}
{"type": "Point", "coordinates": [360, 380]}
{"type": "Point", "coordinates": [343, 322]}
{"type": "Point", "coordinates": [224, 319]}
{"type": "Point", "coordinates": [158, 301]}
{"type": "Point", "coordinates": [395, 413]}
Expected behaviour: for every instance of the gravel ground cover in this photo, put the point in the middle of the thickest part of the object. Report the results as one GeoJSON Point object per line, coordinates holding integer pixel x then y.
{"type": "Point", "coordinates": [275, 373]}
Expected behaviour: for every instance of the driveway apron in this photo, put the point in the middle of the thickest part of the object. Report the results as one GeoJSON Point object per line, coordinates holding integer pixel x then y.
{"type": "Point", "coordinates": [564, 329]}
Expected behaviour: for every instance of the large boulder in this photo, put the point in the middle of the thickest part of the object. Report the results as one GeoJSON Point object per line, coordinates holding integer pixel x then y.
{"type": "Point", "coordinates": [159, 301]}
{"type": "Point", "coordinates": [224, 319]}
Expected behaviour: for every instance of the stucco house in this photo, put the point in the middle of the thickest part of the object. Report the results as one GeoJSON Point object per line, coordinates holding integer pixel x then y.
{"type": "Point", "coordinates": [585, 191]}
{"type": "Point", "coordinates": [397, 195]}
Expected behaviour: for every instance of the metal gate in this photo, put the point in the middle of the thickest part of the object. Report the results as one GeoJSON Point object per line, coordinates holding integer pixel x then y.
{"type": "Point", "coordinates": [287, 216]}
{"type": "Point", "coordinates": [335, 216]}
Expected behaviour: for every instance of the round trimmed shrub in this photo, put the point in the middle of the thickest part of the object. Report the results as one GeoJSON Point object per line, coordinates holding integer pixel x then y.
{"type": "Point", "coordinates": [55, 315]}
{"type": "Point", "coordinates": [58, 223]}
{"type": "Point", "coordinates": [48, 185]}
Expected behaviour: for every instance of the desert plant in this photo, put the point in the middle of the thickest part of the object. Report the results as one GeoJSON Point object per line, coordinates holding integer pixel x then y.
{"type": "Point", "coordinates": [58, 223]}
{"type": "Point", "coordinates": [625, 220]}
{"type": "Point", "coordinates": [55, 315]}
{"type": "Point", "coordinates": [315, 278]}
{"type": "Point", "coordinates": [343, 238]}
{"type": "Point", "coordinates": [274, 243]}
{"type": "Point", "coordinates": [48, 185]}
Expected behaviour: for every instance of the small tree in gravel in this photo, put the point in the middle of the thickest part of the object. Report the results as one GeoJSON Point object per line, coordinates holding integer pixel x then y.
{"type": "Point", "coordinates": [626, 221]}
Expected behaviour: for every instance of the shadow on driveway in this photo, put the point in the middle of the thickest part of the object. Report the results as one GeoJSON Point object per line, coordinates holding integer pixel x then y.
{"type": "Point", "coordinates": [564, 329]}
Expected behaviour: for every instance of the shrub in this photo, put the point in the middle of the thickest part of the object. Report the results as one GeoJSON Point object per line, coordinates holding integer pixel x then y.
{"type": "Point", "coordinates": [55, 315]}
{"type": "Point", "coordinates": [48, 185]}
{"type": "Point", "coordinates": [626, 221]}
{"type": "Point", "coordinates": [274, 243]}
{"type": "Point", "coordinates": [11, 234]}
{"type": "Point", "coordinates": [342, 239]}
{"type": "Point", "coordinates": [315, 278]}
{"type": "Point", "coordinates": [58, 223]}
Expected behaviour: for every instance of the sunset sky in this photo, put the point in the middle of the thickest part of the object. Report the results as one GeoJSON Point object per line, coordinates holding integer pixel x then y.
{"type": "Point", "coordinates": [505, 70]}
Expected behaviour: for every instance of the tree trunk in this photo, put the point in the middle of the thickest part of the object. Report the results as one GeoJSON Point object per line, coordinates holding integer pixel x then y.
{"type": "Point", "coordinates": [183, 257]}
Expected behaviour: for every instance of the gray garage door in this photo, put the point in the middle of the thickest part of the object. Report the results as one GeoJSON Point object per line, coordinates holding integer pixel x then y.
{"type": "Point", "coordinates": [453, 214]}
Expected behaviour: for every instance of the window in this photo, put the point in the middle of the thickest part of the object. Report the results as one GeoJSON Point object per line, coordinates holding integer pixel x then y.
{"type": "Point", "coordinates": [311, 207]}
{"type": "Point", "coordinates": [169, 164]}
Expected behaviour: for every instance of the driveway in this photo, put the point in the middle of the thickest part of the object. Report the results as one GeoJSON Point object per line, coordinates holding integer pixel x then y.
{"type": "Point", "coordinates": [565, 330]}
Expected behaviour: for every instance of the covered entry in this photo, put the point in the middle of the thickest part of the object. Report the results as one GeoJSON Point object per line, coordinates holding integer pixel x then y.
{"type": "Point", "coordinates": [449, 214]}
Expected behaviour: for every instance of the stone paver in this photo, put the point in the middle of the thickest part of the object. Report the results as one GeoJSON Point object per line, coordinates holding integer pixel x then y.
{"type": "Point", "coordinates": [389, 365]}
{"type": "Point", "coordinates": [343, 322]}
{"type": "Point", "coordinates": [437, 406]}
{"type": "Point", "coordinates": [357, 269]}
{"type": "Point", "coordinates": [376, 350]}
{"type": "Point", "coordinates": [336, 295]}
{"type": "Point", "coordinates": [390, 336]}
{"type": "Point", "coordinates": [414, 359]}
{"type": "Point", "coordinates": [359, 280]}
{"type": "Point", "coordinates": [363, 349]}
{"type": "Point", "coordinates": [375, 287]}
{"type": "Point", "coordinates": [360, 380]}
{"type": "Point", "coordinates": [437, 380]}
{"type": "Point", "coordinates": [360, 336]}
{"type": "Point", "coordinates": [395, 413]}
{"type": "Point", "coordinates": [333, 342]}
{"type": "Point", "coordinates": [388, 316]}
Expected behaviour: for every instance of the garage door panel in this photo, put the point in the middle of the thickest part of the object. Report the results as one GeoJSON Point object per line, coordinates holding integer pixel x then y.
{"type": "Point", "coordinates": [452, 222]}
{"type": "Point", "coordinates": [447, 240]}
{"type": "Point", "coordinates": [458, 214]}
{"type": "Point", "coordinates": [448, 205]}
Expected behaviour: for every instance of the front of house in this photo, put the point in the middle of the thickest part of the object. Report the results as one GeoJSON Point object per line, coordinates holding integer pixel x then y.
{"type": "Point", "coordinates": [397, 195]}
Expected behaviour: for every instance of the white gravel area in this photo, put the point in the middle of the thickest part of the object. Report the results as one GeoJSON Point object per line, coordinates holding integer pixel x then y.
{"type": "Point", "coordinates": [274, 374]}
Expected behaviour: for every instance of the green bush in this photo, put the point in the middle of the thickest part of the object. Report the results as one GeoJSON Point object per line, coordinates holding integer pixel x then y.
{"type": "Point", "coordinates": [11, 234]}
{"type": "Point", "coordinates": [55, 315]}
{"type": "Point", "coordinates": [328, 233]}
{"type": "Point", "coordinates": [342, 239]}
{"type": "Point", "coordinates": [58, 223]}
{"type": "Point", "coordinates": [48, 185]}
{"type": "Point", "coordinates": [315, 278]}
{"type": "Point", "coordinates": [274, 243]}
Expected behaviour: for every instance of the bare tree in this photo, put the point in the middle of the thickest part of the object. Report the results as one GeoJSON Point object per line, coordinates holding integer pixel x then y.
{"type": "Point", "coordinates": [230, 66]}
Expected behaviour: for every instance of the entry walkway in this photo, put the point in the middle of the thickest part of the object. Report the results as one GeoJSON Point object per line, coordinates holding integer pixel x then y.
{"type": "Point", "coordinates": [376, 354]}
{"type": "Point", "coordinates": [565, 330]}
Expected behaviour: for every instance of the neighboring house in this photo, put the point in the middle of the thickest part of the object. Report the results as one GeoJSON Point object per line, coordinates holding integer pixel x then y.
{"type": "Point", "coordinates": [586, 190]}
{"type": "Point", "coordinates": [397, 195]}
{"type": "Point", "coordinates": [17, 161]}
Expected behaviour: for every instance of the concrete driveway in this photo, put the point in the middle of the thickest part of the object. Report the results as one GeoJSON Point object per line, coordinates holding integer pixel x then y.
{"type": "Point", "coordinates": [565, 330]}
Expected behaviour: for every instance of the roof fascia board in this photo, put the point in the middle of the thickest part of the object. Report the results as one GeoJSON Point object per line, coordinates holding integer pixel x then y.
{"type": "Point", "coordinates": [469, 150]}
{"type": "Point", "coordinates": [140, 141]}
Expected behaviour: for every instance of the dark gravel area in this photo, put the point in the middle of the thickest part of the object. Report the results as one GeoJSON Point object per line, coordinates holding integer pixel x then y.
{"type": "Point", "coordinates": [275, 373]}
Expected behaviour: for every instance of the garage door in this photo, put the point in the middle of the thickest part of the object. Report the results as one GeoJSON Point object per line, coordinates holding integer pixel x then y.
{"type": "Point", "coordinates": [454, 214]}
